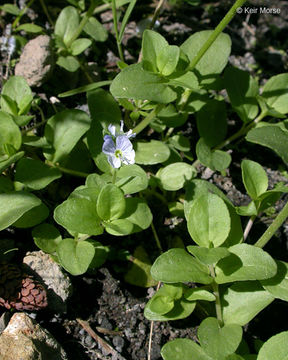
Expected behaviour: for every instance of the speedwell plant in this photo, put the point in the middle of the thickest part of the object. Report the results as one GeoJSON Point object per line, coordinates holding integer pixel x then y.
{"type": "Point", "coordinates": [221, 271]}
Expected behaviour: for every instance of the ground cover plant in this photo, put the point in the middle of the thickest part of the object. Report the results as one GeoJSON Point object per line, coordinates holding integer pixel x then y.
{"type": "Point", "coordinates": [91, 166]}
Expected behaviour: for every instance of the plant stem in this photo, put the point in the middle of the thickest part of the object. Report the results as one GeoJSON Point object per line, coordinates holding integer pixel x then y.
{"type": "Point", "coordinates": [23, 11]}
{"type": "Point", "coordinates": [218, 30]}
{"type": "Point", "coordinates": [215, 287]}
{"type": "Point", "coordinates": [248, 227]}
{"type": "Point", "coordinates": [44, 7]}
{"type": "Point", "coordinates": [114, 175]}
{"type": "Point", "coordinates": [279, 220]}
{"type": "Point", "coordinates": [156, 237]}
{"type": "Point", "coordinates": [115, 22]}
{"type": "Point", "coordinates": [156, 14]}
{"type": "Point", "coordinates": [243, 131]}
{"type": "Point", "coordinates": [146, 121]}
{"type": "Point", "coordinates": [83, 22]}
{"type": "Point", "coordinates": [65, 170]}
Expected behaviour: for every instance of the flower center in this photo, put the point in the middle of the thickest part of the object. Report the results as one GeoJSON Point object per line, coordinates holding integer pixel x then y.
{"type": "Point", "coordinates": [118, 153]}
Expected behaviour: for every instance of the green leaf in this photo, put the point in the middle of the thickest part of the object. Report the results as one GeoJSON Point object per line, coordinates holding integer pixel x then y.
{"type": "Point", "coordinates": [135, 83]}
{"type": "Point", "coordinates": [6, 185]}
{"type": "Point", "coordinates": [75, 256]}
{"type": "Point", "coordinates": [152, 45]}
{"type": "Point", "coordinates": [243, 301]}
{"type": "Point", "coordinates": [11, 9]}
{"type": "Point", "coordinates": [174, 176]}
{"type": "Point", "coordinates": [275, 348]}
{"type": "Point", "coordinates": [100, 255]}
{"type": "Point", "coordinates": [171, 117]}
{"type": "Point", "coordinates": [138, 213]}
{"type": "Point", "coordinates": [254, 178]}
{"type": "Point", "coordinates": [46, 237]}
{"type": "Point", "coordinates": [197, 188]}
{"type": "Point", "coordinates": [246, 262]}
{"type": "Point", "coordinates": [161, 304]}
{"type": "Point", "coordinates": [167, 59]}
{"type": "Point", "coordinates": [85, 88]}
{"type": "Point", "coordinates": [13, 205]}
{"type": "Point", "coordinates": [139, 273]}
{"type": "Point", "coordinates": [181, 310]}
{"type": "Point", "coordinates": [17, 89]}
{"type": "Point", "coordinates": [247, 210]}
{"type": "Point", "coordinates": [35, 174]}
{"type": "Point", "coordinates": [215, 58]}
{"type": "Point", "coordinates": [32, 217]}
{"type": "Point", "coordinates": [137, 217]}
{"type": "Point", "coordinates": [151, 153]}
{"type": "Point", "coordinates": [180, 142]}
{"type": "Point", "coordinates": [215, 160]}
{"type": "Point", "coordinates": [68, 63]}
{"type": "Point", "coordinates": [183, 349]}
{"type": "Point", "coordinates": [110, 202]}
{"type": "Point", "coordinates": [217, 341]}
{"type": "Point", "coordinates": [79, 45]}
{"type": "Point", "coordinates": [78, 215]}
{"type": "Point", "coordinates": [66, 24]}
{"type": "Point", "coordinates": [278, 284]}
{"type": "Point", "coordinates": [131, 179]}
{"type": "Point", "coordinates": [271, 136]}
{"type": "Point", "coordinates": [208, 256]}
{"type": "Point", "coordinates": [209, 221]}
{"type": "Point", "coordinates": [212, 122]}
{"type": "Point", "coordinates": [30, 28]}
{"type": "Point", "coordinates": [63, 131]}
{"type": "Point", "coordinates": [11, 160]}
{"type": "Point", "coordinates": [242, 91]}
{"type": "Point", "coordinates": [275, 92]}
{"type": "Point", "coordinates": [199, 294]}
{"type": "Point", "coordinates": [9, 133]}
{"type": "Point", "coordinates": [176, 265]}
{"type": "Point", "coordinates": [95, 30]}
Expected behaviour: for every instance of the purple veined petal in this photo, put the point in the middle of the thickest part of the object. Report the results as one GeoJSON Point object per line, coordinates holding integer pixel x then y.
{"type": "Point", "coordinates": [114, 161]}
{"type": "Point", "coordinates": [112, 130]}
{"type": "Point", "coordinates": [123, 143]}
{"type": "Point", "coordinates": [108, 147]}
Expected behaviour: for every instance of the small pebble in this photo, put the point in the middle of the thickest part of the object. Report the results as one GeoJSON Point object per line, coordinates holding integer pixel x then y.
{"type": "Point", "coordinates": [118, 342]}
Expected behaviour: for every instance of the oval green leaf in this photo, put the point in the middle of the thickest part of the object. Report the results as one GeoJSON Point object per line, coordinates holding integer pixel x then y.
{"type": "Point", "coordinates": [209, 221]}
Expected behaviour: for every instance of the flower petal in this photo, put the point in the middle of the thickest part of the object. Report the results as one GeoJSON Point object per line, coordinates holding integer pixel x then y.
{"type": "Point", "coordinates": [114, 161]}
{"type": "Point", "coordinates": [108, 147]}
{"type": "Point", "coordinates": [112, 129]}
{"type": "Point", "coordinates": [128, 157]}
{"type": "Point", "coordinates": [123, 143]}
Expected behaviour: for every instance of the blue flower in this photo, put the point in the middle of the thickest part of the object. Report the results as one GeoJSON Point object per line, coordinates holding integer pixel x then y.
{"type": "Point", "coordinates": [118, 147]}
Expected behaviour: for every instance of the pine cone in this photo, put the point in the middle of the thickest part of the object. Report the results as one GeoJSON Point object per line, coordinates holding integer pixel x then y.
{"type": "Point", "coordinates": [20, 291]}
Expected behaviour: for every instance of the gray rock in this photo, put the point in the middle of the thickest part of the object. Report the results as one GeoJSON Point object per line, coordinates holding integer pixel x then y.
{"type": "Point", "coordinates": [58, 283]}
{"type": "Point", "coordinates": [36, 61]}
{"type": "Point", "coordinates": [24, 339]}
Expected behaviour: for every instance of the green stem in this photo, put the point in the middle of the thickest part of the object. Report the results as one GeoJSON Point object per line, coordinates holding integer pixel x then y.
{"type": "Point", "coordinates": [243, 131]}
{"type": "Point", "coordinates": [147, 120]}
{"type": "Point", "coordinates": [83, 22]}
{"type": "Point", "coordinates": [156, 14]}
{"type": "Point", "coordinates": [65, 170]}
{"type": "Point", "coordinates": [115, 22]}
{"type": "Point", "coordinates": [114, 175]}
{"type": "Point", "coordinates": [215, 287]}
{"type": "Point", "coordinates": [44, 7]}
{"type": "Point", "coordinates": [156, 237]}
{"type": "Point", "coordinates": [22, 12]}
{"type": "Point", "coordinates": [281, 217]}
{"type": "Point", "coordinates": [218, 30]}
